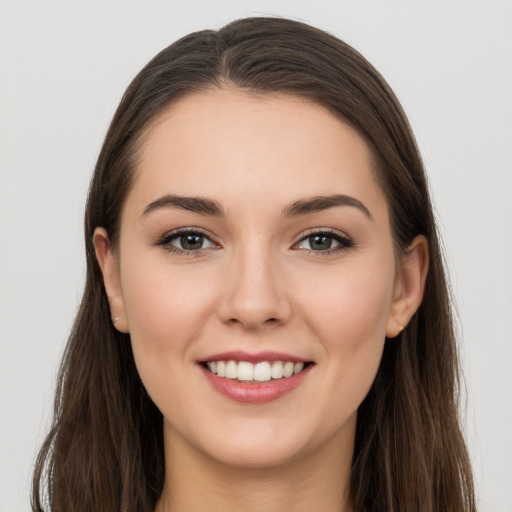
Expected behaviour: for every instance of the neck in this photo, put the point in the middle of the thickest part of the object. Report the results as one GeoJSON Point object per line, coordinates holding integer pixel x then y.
{"type": "Point", "coordinates": [196, 482]}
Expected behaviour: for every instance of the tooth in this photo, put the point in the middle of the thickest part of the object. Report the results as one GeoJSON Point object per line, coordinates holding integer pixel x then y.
{"type": "Point", "coordinates": [288, 369]}
{"type": "Point", "coordinates": [262, 372]}
{"type": "Point", "coordinates": [298, 368]}
{"type": "Point", "coordinates": [277, 370]}
{"type": "Point", "coordinates": [245, 370]}
{"type": "Point", "coordinates": [231, 370]}
{"type": "Point", "coordinates": [221, 368]}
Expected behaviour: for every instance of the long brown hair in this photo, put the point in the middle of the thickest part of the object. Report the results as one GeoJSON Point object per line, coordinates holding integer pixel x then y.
{"type": "Point", "coordinates": [104, 451]}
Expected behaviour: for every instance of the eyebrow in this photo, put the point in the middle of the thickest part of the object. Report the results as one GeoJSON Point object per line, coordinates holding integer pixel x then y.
{"type": "Point", "coordinates": [320, 203]}
{"type": "Point", "coordinates": [205, 206]}
{"type": "Point", "coordinates": [200, 205]}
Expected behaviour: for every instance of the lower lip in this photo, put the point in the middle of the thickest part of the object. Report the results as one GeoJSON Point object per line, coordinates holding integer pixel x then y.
{"type": "Point", "coordinates": [255, 393]}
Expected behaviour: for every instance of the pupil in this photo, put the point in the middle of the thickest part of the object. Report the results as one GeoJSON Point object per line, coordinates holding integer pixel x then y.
{"type": "Point", "coordinates": [191, 242]}
{"type": "Point", "coordinates": [320, 242]}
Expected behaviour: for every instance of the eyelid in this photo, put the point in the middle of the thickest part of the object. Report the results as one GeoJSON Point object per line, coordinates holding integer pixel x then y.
{"type": "Point", "coordinates": [164, 240]}
{"type": "Point", "coordinates": [344, 241]}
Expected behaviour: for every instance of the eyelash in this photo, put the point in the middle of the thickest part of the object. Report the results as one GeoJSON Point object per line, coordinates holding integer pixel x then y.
{"type": "Point", "coordinates": [165, 241]}
{"type": "Point", "coordinates": [344, 242]}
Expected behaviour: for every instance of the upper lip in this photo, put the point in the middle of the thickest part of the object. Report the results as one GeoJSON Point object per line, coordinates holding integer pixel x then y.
{"type": "Point", "coordinates": [257, 357]}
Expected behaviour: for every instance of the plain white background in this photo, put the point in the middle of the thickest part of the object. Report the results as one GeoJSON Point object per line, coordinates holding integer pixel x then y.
{"type": "Point", "coordinates": [63, 68]}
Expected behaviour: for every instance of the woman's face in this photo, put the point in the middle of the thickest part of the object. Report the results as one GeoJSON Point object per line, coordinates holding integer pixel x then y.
{"type": "Point", "coordinates": [255, 235]}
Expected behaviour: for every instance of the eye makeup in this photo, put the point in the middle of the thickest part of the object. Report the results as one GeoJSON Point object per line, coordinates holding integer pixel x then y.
{"type": "Point", "coordinates": [193, 241]}
{"type": "Point", "coordinates": [323, 241]}
{"type": "Point", "coordinates": [186, 241]}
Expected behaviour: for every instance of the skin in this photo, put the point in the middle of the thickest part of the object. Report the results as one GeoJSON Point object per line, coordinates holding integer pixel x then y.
{"type": "Point", "coordinates": [258, 285]}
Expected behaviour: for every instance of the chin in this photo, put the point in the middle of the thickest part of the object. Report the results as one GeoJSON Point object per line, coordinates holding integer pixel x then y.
{"type": "Point", "coordinates": [254, 443]}
{"type": "Point", "coordinates": [258, 455]}
{"type": "Point", "coordinates": [260, 444]}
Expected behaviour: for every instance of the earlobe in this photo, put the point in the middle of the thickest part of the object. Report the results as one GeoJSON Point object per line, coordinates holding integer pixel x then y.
{"type": "Point", "coordinates": [111, 279]}
{"type": "Point", "coordinates": [409, 286]}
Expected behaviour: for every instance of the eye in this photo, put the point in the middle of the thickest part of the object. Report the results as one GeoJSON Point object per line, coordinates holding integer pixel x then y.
{"type": "Point", "coordinates": [186, 241]}
{"type": "Point", "coordinates": [324, 242]}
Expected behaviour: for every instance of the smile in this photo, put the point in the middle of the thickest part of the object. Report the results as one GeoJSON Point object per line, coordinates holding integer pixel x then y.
{"type": "Point", "coordinates": [263, 371]}
{"type": "Point", "coordinates": [255, 378]}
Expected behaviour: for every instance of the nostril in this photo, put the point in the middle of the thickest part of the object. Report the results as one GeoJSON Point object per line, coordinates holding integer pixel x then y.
{"type": "Point", "coordinates": [268, 321]}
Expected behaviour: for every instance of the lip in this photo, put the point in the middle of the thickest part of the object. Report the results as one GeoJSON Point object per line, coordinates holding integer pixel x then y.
{"type": "Point", "coordinates": [240, 355]}
{"type": "Point", "coordinates": [252, 392]}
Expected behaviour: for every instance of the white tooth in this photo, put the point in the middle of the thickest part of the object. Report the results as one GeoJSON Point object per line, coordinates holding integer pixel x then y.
{"type": "Point", "coordinates": [213, 366]}
{"type": "Point", "coordinates": [262, 371]}
{"type": "Point", "coordinates": [277, 370]}
{"type": "Point", "coordinates": [288, 369]}
{"type": "Point", "coordinates": [297, 368]}
{"type": "Point", "coordinates": [221, 368]}
{"type": "Point", "coordinates": [245, 370]}
{"type": "Point", "coordinates": [231, 370]}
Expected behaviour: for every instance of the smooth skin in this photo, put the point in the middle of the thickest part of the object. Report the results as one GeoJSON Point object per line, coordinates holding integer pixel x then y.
{"type": "Point", "coordinates": [324, 285]}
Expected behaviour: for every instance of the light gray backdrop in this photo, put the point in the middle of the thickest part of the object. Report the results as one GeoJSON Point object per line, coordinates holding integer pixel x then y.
{"type": "Point", "coordinates": [63, 68]}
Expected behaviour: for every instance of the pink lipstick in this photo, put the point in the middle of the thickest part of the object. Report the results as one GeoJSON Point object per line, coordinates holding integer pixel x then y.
{"type": "Point", "coordinates": [255, 378]}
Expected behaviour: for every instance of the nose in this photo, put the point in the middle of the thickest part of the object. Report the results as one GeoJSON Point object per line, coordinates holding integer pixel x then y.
{"type": "Point", "coordinates": [254, 294]}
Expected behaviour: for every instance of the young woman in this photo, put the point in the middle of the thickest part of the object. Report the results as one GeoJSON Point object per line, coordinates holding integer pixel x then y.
{"type": "Point", "coordinates": [265, 323]}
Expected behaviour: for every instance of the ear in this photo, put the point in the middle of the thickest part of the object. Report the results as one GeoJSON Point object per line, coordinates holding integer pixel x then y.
{"type": "Point", "coordinates": [111, 279]}
{"type": "Point", "coordinates": [409, 286]}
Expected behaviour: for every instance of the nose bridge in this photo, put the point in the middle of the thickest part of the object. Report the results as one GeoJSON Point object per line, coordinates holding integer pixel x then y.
{"type": "Point", "coordinates": [255, 295]}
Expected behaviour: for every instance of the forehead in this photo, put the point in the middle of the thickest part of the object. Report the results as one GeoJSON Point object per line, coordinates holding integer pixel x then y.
{"type": "Point", "coordinates": [232, 144]}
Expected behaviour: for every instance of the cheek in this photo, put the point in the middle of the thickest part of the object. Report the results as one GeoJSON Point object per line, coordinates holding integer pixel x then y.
{"type": "Point", "coordinates": [354, 303]}
{"type": "Point", "coordinates": [166, 309]}
{"type": "Point", "coordinates": [349, 317]}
